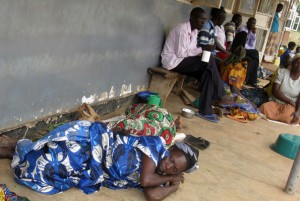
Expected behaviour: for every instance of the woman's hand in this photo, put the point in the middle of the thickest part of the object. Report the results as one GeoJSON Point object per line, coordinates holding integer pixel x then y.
{"type": "Point", "coordinates": [295, 116]}
{"type": "Point", "coordinates": [280, 96]}
{"type": "Point", "coordinates": [175, 185]}
{"type": "Point", "coordinates": [177, 178]}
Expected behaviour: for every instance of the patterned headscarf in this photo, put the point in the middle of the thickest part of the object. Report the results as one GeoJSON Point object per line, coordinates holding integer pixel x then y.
{"type": "Point", "coordinates": [191, 156]}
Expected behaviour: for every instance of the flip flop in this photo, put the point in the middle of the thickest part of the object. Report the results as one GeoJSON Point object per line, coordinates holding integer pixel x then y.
{"type": "Point", "coordinates": [197, 142]}
{"type": "Point", "coordinates": [242, 120]}
{"type": "Point", "coordinates": [208, 117]}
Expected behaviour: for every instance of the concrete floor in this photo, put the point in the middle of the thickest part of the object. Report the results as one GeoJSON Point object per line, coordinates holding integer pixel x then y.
{"type": "Point", "coordinates": [238, 166]}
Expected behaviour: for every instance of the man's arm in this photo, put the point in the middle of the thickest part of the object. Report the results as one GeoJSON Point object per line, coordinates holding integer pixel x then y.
{"type": "Point", "coordinates": [296, 114]}
{"type": "Point", "coordinates": [203, 40]}
{"type": "Point", "coordinates": [220, 47]}
{"type": "Point", "coordinates": [185, 44]}
{"type": "Point", "coordinates": [229, 36]}
{"type": "Point", "coordinates": [280, 96]}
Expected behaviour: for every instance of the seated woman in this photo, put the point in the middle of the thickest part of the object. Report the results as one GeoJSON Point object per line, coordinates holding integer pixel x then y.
{"type": "Point", "coordinates": [285, 104]}
{"type": "Point", "coordinates": [89, 155]}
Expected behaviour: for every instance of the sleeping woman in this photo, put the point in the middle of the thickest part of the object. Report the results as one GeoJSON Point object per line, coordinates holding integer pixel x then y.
{"type": "Point", "coordinates": [89, 155]}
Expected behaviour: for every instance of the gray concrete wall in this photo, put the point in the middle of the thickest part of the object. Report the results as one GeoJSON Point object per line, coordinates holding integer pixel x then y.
{"type": "Point", "coordinates": [57, 53]}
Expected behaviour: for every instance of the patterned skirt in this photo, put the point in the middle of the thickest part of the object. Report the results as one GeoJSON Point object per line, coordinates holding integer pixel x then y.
{"type": "Point", "coordinates": [272, 44]}
{"type": "Point", "coordinates": [146, 120]}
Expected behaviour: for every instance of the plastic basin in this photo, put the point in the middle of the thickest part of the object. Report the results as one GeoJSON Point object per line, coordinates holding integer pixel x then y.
{"type": "Point", "coordinates": [287, 145]}
{"type": "Point", "coordinates": [144, 96]}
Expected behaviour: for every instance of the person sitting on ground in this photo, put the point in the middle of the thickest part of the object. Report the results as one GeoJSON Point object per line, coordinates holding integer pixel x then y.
{"type": "Point", "coordinates": [230, 28]}
{"type": "Point", "coordinates": [287, 56]}
{"type": "Point", "coordinates": [181, 54]}
{"type": "Point", "coordinates": [246, 37]}
{"type": "Point", "coordinates": [220, 36]}
{"type": "Point", "coordinates": [285, 104]}
{"type": "Point", "coordinates": [89, 155]}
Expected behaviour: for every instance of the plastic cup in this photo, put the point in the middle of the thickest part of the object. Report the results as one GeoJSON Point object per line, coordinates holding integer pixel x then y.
{"type": "Point", "coordinates": [205, 56]}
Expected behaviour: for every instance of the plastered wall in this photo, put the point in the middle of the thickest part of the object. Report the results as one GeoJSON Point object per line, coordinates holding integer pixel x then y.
{"type": "Point", "coordinates": [56, 54]}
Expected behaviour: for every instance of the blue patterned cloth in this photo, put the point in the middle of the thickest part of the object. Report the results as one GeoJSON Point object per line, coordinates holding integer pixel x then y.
{"type": "Point", "coordinates": [83, 155]}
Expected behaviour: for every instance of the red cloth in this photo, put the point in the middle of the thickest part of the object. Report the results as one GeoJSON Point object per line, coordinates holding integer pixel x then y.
{"type": "Point", "coordinates": [222, 55]}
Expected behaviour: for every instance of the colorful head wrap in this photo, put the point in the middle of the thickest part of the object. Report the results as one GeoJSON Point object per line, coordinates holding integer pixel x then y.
{"type": "Point", "coordinates": [191, 156]}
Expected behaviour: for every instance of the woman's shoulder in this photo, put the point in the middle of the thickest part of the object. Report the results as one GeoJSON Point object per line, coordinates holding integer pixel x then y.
{"type": "Point", "coordinates": [283, 71]}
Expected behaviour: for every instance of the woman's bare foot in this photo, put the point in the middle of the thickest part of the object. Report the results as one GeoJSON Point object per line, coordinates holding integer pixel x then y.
{"type": "Point", "coordinates": [179, 122]}
{"type": "Point", "coordinates": [7, 142]}
{"type": "Point", "coordinates": [6, 153]}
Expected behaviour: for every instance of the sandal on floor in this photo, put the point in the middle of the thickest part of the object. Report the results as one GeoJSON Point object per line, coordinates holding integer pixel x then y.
{"type": "Point", "coordinates": [197, 142]}
{"type": "Point", "coordinates": [209, 117]}
{"type": "Point", "coordinates": [237, 118]}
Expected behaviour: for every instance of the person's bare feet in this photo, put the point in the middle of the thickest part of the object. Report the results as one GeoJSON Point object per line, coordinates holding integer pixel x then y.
{"type": "Point", "coordinates": [179, 122]}
{"type": "Point", "coordinates": [7, 142]}
{"type": "Point", "coordinates": [6, 153]}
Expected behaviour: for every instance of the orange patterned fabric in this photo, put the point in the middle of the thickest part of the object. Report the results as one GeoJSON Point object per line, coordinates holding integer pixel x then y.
{"type": "Point", "coordinates": [234, 75]}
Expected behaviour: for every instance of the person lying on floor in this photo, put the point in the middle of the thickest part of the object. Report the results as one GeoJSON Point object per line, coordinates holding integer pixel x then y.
{"type": "Point", "coordinates": [141, 120]}
{"type": "Point", "coordinates": [147, 120]}
{"type": "Point", "coordinates": [181, 54]}
{"type": "Point", "coordinates": [89, 155]}
{"type": "Point", "coordinates": [285, 104]}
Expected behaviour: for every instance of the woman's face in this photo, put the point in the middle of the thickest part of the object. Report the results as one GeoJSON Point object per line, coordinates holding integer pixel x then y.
{"type": "Point", "coordinates": [175, 163]}
{"type": "Point", "coordinates": [296, 65]}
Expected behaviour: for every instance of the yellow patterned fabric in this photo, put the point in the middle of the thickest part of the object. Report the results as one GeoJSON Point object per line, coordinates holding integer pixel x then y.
{"type": "Point", "coordinates": [7, 195]}
{"type": "Point", "coordinates": [234, 74]}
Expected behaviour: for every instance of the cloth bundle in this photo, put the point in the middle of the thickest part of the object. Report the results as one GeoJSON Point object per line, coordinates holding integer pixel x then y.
{"type": "Point", "coordinates": [7, 195]}
{"type": "Point", "coordinates": [234, 74]}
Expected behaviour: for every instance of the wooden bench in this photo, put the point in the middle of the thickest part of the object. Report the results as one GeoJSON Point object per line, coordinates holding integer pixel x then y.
{"type": "Point", "coordinates": [163, 81]}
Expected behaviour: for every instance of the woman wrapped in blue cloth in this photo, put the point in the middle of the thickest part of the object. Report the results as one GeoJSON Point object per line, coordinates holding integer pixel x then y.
{"type": "Point", "coordinates": [89, 155]}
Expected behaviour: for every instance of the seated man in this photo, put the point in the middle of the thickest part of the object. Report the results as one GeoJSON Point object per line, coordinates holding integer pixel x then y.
{"type": "Point", "coordinates": [230, 28]}
{"type": "Point", "coordinates": [286, 57]}
{"type": "Point", "coordinates": [206, 35]}
{"type": "Point", "coordinates": [246, 37]}
{"type": "Point", "coordinates": [89, 155]}
{"type": "Point", "coordinates": [218, 17]}
{"type": "Point", "coordinates": [181, 54]}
